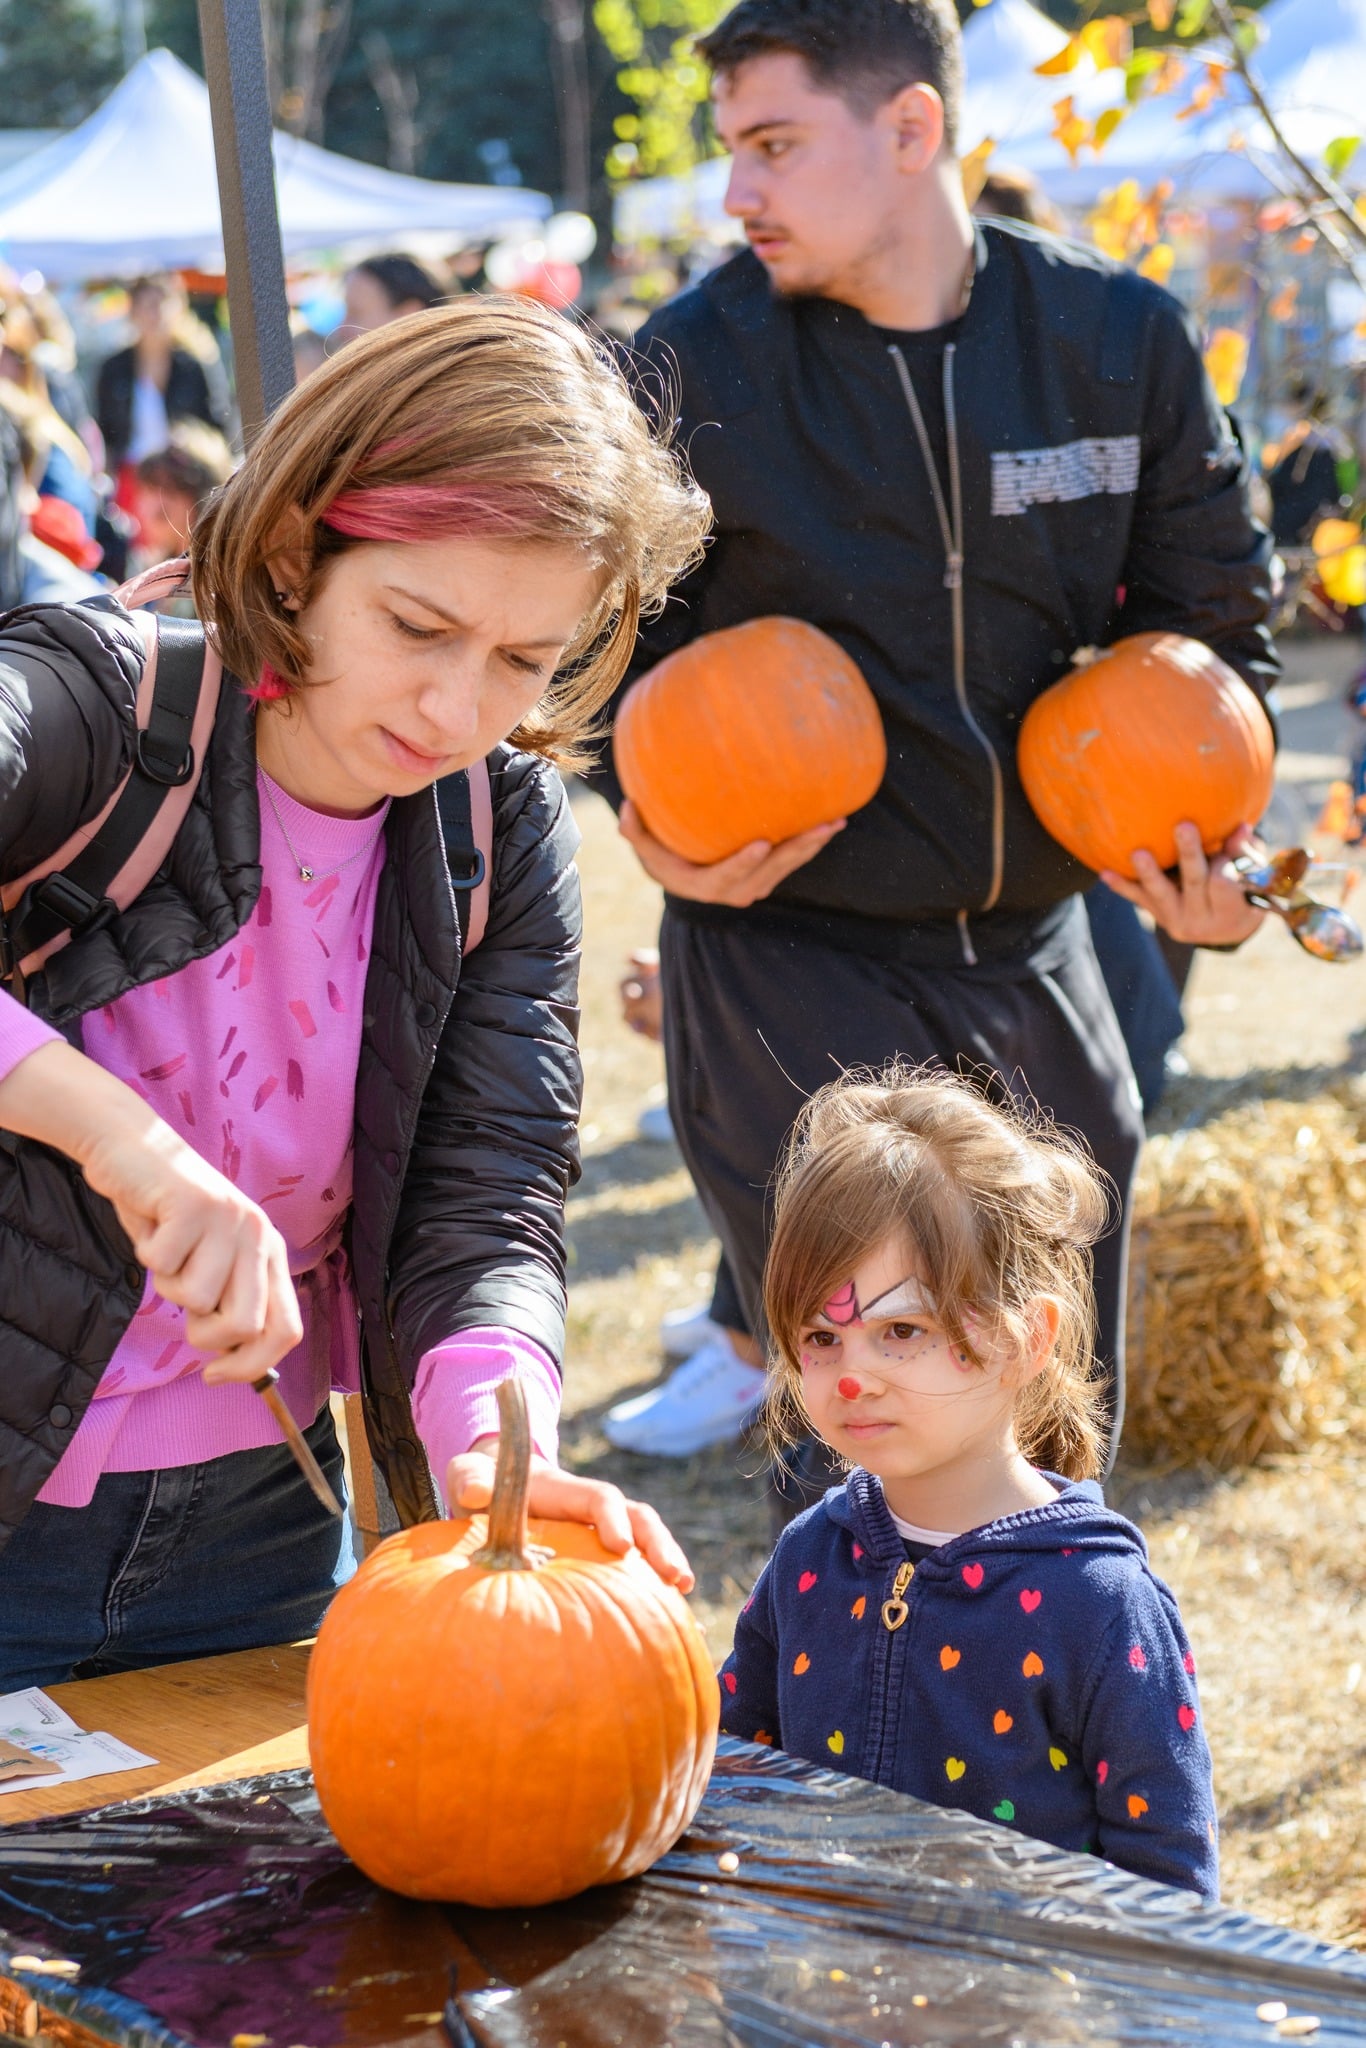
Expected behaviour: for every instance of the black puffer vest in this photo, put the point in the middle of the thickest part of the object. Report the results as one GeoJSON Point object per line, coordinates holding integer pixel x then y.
{"type": "Point", "coordinates": [467, 1092]}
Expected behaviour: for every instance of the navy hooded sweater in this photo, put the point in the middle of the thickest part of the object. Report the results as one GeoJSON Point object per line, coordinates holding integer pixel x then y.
{"type": "Point", "coordinates": [1033, 1671]}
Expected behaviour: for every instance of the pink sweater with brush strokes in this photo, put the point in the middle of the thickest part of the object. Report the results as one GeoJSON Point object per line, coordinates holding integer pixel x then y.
{"type": "Point", "coordinates": [251, 1054]}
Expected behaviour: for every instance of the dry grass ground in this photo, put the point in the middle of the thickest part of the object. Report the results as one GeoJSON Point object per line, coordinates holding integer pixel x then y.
{"type": "Point", "coordinates": [1269, 1565]}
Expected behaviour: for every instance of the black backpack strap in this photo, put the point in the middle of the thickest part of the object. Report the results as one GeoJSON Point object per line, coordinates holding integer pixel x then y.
{"type": "Point", "coordinates": [463, 857]}
{"type": "Point", "coordinates": [75, 898]}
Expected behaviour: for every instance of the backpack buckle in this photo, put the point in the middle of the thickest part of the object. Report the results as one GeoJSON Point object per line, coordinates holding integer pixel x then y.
{"type": "Point", "coordinates": [476, 871]}
{"type": "Point", "coordinates": [72, 905]}
{"type": "Point", "coordinates": [158, 769]}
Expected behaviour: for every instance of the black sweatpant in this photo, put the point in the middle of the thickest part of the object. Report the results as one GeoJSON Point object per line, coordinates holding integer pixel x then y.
{"type": "Point", "coordinates": [756, 1018]}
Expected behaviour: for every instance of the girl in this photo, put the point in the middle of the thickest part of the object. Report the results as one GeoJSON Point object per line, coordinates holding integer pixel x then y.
{"type": "Point", "coordinates": [268, 1112]}
{"type": "Point", "coordinates": [963, 1619]}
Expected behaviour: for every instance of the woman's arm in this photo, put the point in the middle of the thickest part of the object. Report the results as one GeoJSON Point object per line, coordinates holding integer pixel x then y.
{"type": "Point", "coordinates": [205, 1245]}
{"type": "Point", "coordinates": [68, 722]}
{"type": "Point", "coordinates": [479, 1238]}
{"type": "Point", "coordinates": [479, 1242]}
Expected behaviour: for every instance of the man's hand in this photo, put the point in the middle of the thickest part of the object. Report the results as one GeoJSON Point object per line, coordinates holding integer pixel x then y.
{"type": "Point", "coordinates": [741, 879]}
{"type": "Point", "coordinates": [559, 1496]}
{"type": "Point", "coordinates": [1207, 906]}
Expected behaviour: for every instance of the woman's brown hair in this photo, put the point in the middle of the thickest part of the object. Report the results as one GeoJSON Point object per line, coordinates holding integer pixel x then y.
{"type": "Point", "coordinates": [491, 417]}
{"type": "Point", "coordinates": [996, 1209]}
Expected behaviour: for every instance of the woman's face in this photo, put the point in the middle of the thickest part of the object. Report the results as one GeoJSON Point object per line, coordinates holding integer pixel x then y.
{"type": "Point", "coordinates": [423, 657]}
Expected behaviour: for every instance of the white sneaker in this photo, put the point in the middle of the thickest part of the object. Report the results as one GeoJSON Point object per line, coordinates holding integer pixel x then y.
{"type": "Point", "coordinates": [685, 1330]}
{"type": "Point", "coordinates": [655, 1125]}
{"type": "Point", "coordinates": [708, 1400]}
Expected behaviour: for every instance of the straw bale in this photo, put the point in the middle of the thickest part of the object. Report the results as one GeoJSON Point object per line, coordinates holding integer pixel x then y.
{"type": "Point", "coordinates": [1247, 1283]}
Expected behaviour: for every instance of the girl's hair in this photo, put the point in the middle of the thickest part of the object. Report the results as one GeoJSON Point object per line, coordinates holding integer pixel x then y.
{"type": "Point", "coordinates": [491, 418]}
{"type": "Point", "coordinates": [996, 1208]}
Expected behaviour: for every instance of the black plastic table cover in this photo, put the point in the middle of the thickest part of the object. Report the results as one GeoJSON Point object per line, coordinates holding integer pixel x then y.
{"type": "Point", "coordinates": [856, 1919]}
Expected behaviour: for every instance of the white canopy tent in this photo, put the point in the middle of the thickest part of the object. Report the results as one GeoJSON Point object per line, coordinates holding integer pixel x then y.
{"type": "Point", "coordinates": [134, 188]}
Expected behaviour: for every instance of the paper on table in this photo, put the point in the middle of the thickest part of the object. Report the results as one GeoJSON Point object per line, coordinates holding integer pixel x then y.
{"type": "Point", "coordinates": [39, 1725]}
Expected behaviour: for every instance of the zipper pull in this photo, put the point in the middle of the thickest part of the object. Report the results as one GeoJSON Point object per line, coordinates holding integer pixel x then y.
{"type": "Point", "coordinates": [895, 1610]}
{"type": "Point", "coordinates": [953, 575]}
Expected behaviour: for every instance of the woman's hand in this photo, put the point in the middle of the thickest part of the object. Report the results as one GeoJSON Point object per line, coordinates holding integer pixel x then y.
{"type": "Point", "coordinates": [1207, 906]}
{"type": "Point", "coordinates": [741, 879]}
{"type": "Point", "coordinates": [559, 1496]}
{"type": "Point", "coordinates": [206, 1246]}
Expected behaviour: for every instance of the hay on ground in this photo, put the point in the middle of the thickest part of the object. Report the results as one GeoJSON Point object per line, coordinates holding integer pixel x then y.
{"type": "Point", "coordinates": [1247, 1283]}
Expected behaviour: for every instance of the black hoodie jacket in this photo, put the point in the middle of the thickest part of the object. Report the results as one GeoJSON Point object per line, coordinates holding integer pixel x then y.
{"type": "Point", "coordinates": [1103, 494]}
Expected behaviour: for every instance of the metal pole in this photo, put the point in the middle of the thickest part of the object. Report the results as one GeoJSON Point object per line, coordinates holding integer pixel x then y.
{"type": "Point", "coordinates": [235, 67]}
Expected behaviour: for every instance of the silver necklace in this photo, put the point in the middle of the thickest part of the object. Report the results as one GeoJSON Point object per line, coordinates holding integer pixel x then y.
{"type": "Point", "coordinates": [306, 874]}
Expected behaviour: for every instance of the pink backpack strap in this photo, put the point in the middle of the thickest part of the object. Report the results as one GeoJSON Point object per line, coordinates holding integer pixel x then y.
{"type": "Point", "coordinates": [144, 859]}
{"type": "Point", "coordinates": [481, 820]}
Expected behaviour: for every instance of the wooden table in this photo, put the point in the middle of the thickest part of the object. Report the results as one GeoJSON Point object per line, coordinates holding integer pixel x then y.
{"type": "Point", "coordinates": [205, 1722]}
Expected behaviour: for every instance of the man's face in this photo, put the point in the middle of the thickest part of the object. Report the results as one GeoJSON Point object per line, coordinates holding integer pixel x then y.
{"type": "Point", "coordinates": [820, 186]}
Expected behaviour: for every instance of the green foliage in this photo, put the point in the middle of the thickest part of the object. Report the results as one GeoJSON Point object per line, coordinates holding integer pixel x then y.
{"type": "Point", "coordinates": [58, 59]}
{"type": "Point", "coordinates": [1339, 153]}
{"type": "Point", "coordinates": [665, 131]}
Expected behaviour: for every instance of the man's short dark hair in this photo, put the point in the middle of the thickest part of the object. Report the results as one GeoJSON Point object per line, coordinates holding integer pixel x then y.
{"type": "Point", "coordinates": [401, 280]}
{"type": "Point", "coordinates": [866, 50]}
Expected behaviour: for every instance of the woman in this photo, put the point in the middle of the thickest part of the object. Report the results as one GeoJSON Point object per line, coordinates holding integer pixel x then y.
{"type": "Point", "coordinates": [274, 1067]}
{"type": "Point", "coordinates": [143, 390]}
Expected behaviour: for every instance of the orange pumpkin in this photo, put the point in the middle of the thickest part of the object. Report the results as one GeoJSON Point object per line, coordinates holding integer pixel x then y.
{"type": "Point", "coordinates": [759, 731]}
{"type": "Point", "coordinates": [1149, 733]}
{"type": "Point", "coordinates": [502, 1714]}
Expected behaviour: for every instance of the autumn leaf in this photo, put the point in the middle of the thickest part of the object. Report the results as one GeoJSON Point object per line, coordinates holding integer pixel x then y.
{"type": "Point", "coordinates": [1191, 18]}
{"type": "Point", "coordinates": [1106, 125]}
{"type": "Point", "coordinates": [1339, 153]}
{"type": "Point", "coordinates": [1108, 41]}
{"type": "Point", "coordinates": [1066, 59]}
{"type": "Point", "coordinates": [974, 164]}
{"type": "Point", "coordinates": [1156, 264]}
{"type": "Point", "coordinates": [1282, 305]}
{"type": "Point", "coordinates": [1226, 360]}
{"type": "Point", "coordinates": [1160, 14]}
{"type": "Point", "coordinates": [1277, 214]}
{"type": "Point", "coordinates": [1069, 128]}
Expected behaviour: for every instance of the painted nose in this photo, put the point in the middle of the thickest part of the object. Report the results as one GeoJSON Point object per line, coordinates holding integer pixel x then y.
{"type": "Point", "coordinates": [849, 1388]}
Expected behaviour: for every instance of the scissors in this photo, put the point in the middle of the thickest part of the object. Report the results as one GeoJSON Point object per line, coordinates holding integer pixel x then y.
{"type": "Point", "coordinates": [1277, 883]}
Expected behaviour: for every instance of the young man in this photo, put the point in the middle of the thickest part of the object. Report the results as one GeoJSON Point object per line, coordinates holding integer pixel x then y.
{"type": "Point", "coordinates": [965, 450]}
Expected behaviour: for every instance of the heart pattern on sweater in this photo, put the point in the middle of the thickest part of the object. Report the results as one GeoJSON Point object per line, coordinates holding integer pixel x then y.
{"type": "Point", "coordinates": [1003, 1722]}
{"type": "Point", "coordinates": [948, 1657]}
{"type": "Point", "coordinates": [973, 1575]}
{"type": "Point", "coordinates": [954, 1767]}
{"type": "Point", "coordinates": [1186, 1716]}
{"type": "Point", "coordinates": [1029, 1599]}
{"type": "Point", "coordinates": [1033, 1665]}
{"type": "Point", "coordinates": [802, 1664]}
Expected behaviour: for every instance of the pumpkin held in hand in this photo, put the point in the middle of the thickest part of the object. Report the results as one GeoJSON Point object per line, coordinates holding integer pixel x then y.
{"type": "Point", "coordinates": [1149, 733]}
{"type": "Point", "coordinates": [502, 1714]}
{"type": "Point", "coordinates": [759, 731]}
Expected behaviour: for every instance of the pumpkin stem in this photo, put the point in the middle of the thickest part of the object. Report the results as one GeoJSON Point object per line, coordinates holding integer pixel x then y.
{"type": "Point", "coordinates": [507, 1549]}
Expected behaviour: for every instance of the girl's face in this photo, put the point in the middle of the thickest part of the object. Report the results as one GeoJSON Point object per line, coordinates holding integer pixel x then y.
{"type": "Point", "coordinates": [885, 1386]}
{"type": "Point", "coordinates": [423, 657]}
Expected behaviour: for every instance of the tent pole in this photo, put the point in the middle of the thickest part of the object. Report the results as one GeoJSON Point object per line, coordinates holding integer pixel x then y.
{"type": "Point", "coordinates": [235, 67]}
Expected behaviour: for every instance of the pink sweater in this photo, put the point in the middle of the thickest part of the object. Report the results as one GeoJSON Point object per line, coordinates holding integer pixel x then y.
{"type": "Point", "coordinates": [251, 1054]}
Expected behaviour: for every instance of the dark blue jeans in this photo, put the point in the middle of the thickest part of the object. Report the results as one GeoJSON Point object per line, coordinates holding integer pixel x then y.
{"type": "Point", "coordinates": [232, 1555]}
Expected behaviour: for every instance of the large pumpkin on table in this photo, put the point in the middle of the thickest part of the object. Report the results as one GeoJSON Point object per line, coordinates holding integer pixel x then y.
{"type": "Point", "coordinates": [503, 1713]}
{"type": "Point", "coordinates": [759, 731]}
{"type": "Point", "coordinates": [1149, 733]}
